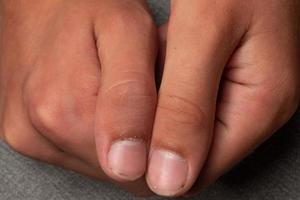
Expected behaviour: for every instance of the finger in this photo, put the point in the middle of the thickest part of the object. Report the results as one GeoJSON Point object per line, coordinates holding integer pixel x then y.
{"type": "Point", "coordinates": [198, 48]}
{"type": "Point", "coordinates": [22, 137]}
{"type": "Point", "coordinates": [60, 91]}
{"type": "Point", "coordinates": [260, 92]}
{"type": "Point", "coordinates": [127, 96]}
{"type": "Point", "coordinates": [42, 149]}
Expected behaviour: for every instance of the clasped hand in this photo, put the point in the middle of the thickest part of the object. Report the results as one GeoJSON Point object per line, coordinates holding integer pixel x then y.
{"type": "Point", "coordinates": [78, 90]}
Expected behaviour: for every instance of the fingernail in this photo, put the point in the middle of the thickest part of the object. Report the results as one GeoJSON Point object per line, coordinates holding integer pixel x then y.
{"type": "Point", "coordinates": [127, 159]}
{"type": "Point", "coordinates": [167, 173]}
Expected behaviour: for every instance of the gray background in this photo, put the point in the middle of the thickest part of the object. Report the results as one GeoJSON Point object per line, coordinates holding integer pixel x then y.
{"type": "Point", "coordinates": [272, 172]}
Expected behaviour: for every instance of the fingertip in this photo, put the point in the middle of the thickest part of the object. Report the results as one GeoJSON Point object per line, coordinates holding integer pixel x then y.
{"type": "Point", "coordinates": [127, 159]}
{"type": "Point", "coordinates": [167, 173]}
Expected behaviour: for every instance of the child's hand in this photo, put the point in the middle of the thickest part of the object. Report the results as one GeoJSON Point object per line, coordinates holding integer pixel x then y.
{"type": "Point", "coordinates": [61, 61]}
{"type": "Point", "coordinates": [231, 79]}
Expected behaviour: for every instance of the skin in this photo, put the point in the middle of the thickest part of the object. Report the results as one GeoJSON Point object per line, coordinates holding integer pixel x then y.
{"type": "Point", "coordinates": [57, 69]}
{"type": "Point", "coordinates": [230, 79]}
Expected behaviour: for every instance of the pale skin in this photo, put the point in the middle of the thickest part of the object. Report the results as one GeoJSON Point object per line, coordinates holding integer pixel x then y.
{"type": "Point", "coordinates": [77, 86]}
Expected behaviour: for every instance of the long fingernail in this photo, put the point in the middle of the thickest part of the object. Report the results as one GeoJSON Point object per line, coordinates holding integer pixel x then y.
{"type": "Point", "coordinates": [167, 173]}
{"type": "Point", "coordinates": [127, 159]}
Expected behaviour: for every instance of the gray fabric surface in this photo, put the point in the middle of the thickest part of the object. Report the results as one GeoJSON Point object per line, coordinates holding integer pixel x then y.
{"type": "Point", "coordinates": [271, 173]}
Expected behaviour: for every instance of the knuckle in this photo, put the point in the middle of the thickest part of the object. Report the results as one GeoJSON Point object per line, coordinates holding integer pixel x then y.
{"type": "Point", "coordinates": [16, 144]}
{"type": "Point", "coordinates": [47, 114]}
{"type": "Point", "coordinates": [54, 119]}
{"type": "Point", "coordinates": [21, 143]}
{"type": "Point", "coordinates": [131, 93]}
{"type": "Point", "coordinates": [182, 111]}
{"type": "Point", "coordinates": [13, 138]}
{"type": "Point", "coordinates": [60, 113]}
{"type": "Point", "coordinates": [53, 111]}
{"type": "Point", "coordinates": [43, 104]}
{"type": "Point", "coordinates": [57, 119]}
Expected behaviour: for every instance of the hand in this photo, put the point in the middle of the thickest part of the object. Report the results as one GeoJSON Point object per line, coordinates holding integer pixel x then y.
{"type": "Point", "coordinates": [62, 60]}
{"type": "Point", "coordinates": [230, 80]}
